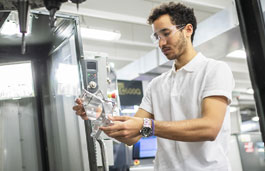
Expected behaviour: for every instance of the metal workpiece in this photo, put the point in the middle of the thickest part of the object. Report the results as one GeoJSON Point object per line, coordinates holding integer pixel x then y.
{"type": "Point", "coordinates": [97, 108]}
{"type": "Point", "coordinates": [104, 122]}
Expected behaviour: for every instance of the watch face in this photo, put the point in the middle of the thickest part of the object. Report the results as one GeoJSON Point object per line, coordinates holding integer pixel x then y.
{"type": "Point", "coordinates": [146, 131]}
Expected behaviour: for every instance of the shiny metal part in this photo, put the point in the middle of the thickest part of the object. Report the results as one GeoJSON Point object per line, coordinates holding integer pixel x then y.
{"type": "Point", "coordinates": [53, 6]}
{"type": "Point", "coordinates": [52, 17]}
{"type": "Point", "coordinates": [77, 2]}
{"type": "Point", "coordinates": [23, 13]}
{"type": "Point", "coordinates": [23, 45]}
{"type": "Point", "coordinates": [92, 104]}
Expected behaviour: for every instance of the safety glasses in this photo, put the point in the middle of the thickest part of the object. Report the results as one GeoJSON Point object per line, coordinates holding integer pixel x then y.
{"type": "Point", "coordinates": [166, 33]}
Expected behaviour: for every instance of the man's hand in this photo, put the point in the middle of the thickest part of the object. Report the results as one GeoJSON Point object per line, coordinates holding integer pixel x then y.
{"type": "Point", "coordinates": [79, 109]}
{"type": "Point", "coordinates": [127, 129]}
{"type": "Point", "coordinates": [124, 127]}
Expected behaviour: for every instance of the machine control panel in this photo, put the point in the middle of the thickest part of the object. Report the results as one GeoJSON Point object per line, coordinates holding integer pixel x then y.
{"type": "Point", "coordinates": [90, 74]}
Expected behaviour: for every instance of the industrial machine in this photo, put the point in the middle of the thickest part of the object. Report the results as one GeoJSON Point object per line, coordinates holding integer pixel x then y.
{"type": "Point", "coordinates": [23, 7]}
{"type": "Point", "coordinates": [39, 131]}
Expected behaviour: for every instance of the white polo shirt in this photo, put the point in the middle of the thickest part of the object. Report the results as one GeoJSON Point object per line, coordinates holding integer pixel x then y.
{"type": "Point", "coordinates": [175, 96]}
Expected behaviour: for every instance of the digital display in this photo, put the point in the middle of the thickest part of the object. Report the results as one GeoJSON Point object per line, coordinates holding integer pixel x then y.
{"type": "Point", "coordinates": [145, 148]}
{"type": "Point", "coordinates": [91, 65]}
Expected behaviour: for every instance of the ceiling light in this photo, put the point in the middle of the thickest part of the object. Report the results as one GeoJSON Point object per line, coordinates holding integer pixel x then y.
{"type": "Point", "coordinates": [237, 54]}
{"type": "Point", "coordinates": [91, 33]}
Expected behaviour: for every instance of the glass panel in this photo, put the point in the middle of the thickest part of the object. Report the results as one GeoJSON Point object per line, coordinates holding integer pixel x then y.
{"type": "Point", "coordinates": [63, 136]}
{"type": "Point", "coordinates": [19, 138]}
{"type": "Point", "coordinates": [262, 6]}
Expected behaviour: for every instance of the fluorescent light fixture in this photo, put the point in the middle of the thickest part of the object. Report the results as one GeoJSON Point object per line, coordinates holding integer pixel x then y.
{"type": "Point", "coordinates": [237, 54]}
{"type": "Point", "coordinates": [91, 33]}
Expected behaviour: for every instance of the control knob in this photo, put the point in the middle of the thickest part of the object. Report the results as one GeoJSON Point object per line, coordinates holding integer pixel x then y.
{"type": "Point", "coordinates": [92, 85]}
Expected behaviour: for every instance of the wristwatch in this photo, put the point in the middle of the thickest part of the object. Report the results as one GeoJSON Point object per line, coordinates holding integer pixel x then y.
{"type": "Point", "coordinates": [146, 131]}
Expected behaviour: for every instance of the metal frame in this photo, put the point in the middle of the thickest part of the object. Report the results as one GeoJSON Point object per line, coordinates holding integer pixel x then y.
{"type": "Point", "coordinates": [91, 142]}
{"type": "Point", "coordinates": [253, 34]}
{"type": "Point", "coordinates": [37, 78]}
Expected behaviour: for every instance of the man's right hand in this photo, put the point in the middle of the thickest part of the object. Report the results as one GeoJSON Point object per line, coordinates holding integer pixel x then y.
{"type": "Point", "coordinates": [79, 109]}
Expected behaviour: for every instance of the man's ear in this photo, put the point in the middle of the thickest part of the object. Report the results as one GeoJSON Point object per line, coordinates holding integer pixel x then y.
{"type": "Point", "coordinates": [189, 30]}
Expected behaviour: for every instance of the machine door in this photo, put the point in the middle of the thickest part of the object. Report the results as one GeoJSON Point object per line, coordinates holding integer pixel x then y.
{"type": "Point", "coordinates": [65, 131]}
{"type": "Point", "coordinates": [39, 130]}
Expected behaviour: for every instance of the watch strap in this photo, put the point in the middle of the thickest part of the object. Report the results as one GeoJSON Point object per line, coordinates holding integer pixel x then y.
{"type": "Point", "coordinates": [153, 127]}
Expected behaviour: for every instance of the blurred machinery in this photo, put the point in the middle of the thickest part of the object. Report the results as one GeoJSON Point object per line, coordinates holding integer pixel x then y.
{"type": "Point", "coordinates": [23, 7]}
{"type": "Point", "coordinates": [54, 5]}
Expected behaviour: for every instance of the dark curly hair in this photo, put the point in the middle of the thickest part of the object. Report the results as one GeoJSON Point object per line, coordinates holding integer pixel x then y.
{"type": "Point", "coordinates": [179, 14]}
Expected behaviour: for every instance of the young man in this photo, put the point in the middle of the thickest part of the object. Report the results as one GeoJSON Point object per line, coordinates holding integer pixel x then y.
{"type": "Point", "coordinates": [187, 108]}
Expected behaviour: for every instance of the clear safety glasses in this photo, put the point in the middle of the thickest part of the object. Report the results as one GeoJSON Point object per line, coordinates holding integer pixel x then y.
{"type": "Point", "coordinates": [166, 33]}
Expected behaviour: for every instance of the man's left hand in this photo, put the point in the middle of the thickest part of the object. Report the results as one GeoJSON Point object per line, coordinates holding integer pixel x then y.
{"type": "Point", "coordinates": [124, 127]}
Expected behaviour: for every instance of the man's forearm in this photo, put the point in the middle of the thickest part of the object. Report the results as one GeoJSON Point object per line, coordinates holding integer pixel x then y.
{"type": "Point", "coordinates": [187, 130]}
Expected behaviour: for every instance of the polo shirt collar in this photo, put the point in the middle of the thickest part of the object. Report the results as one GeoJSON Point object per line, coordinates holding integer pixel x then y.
{"type": "Point", "coordinates": [192, 65]}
